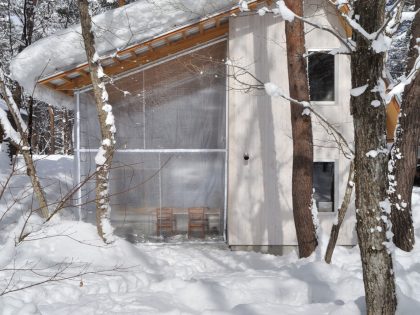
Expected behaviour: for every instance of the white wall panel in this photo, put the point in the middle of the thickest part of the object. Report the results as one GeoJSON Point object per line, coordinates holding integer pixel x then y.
{"type": "Point", "coordinates": [259, 191]}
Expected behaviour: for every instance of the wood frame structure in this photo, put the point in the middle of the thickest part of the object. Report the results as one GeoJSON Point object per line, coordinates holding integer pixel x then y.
{"type": "Point", "coordinates": [137, 55]}
{"type": "Point", "coordinates": [207, 29]}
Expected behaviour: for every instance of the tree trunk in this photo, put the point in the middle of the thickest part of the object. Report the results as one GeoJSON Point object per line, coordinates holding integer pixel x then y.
{"type": "Point", "coordinates": [341, 214]}
{"type": "Point", "coordinates": [52, 130]}
{"type": "Point", "coordinates": [24, 146]}
{"type": "Point", "coordinates": [372, 212]}
{"type": "Point", "coordinates": [404, 152]}
{"type": "Point", "coordinates": [65, 132]}
{"type": "Point", "coordinates": [301, 132]}
{"type": "Point", "coordinates": [106, 122]}
{"type": "Point", "coordinates": [30, 122]}
{"type": "Point", "coordinates": [28, 23]}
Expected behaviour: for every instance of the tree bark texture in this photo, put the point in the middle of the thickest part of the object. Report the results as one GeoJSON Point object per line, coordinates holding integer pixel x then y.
{"type": "Point", "coordinates": [28, 23]}
{"type": "Point", "coordinates": [24, 146]}
{"type": "Point", "coordinates": [404, 152]}
{"type": "Point", "coordinates": [301, 132]}
{"type": "Point", "coordinates": [52, 129]}
{"type": "Point", "coordinates": [106, 123]}
{"type": "Point", "coordinates": [341, 214]}
{"type": "Point", "coordinates": [372, 213]}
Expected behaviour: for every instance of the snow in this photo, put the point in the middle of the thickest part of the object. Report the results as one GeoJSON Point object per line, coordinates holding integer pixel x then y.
{"type": "Point", "coordinates": [375, 153]}
{"type": "Point", "coordinates": [100, 158]}
{"type": "Point", "coordinates": [125, 278]}
{"type": "Point", "coordinates": [284, 11]}
{"type": "Point", "coordinates": [359, 90]}
{"type": "Point", "coordinates": [273, 90]}
{"type": "Point", "coordinates": [114, 30]}
{"type": "Point", "coordinates": [9, 131]}
{"type": "Point", "coordinates": [3, 105]}
{"type": "Point", "coordinates": [381, 44]}
{"type": "Point", "coordinates": [263, 11]}
{"type": "Point", "coordinates": [11, 102]}
{"type": "Point", "coordinates": [243, 5]}
{"type": "Point", "coordinates": [408, 16]}
{"type": "Point", "coordinates": [375, 103]}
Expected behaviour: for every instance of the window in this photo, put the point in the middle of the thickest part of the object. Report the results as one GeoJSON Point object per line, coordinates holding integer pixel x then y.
{"type": "Point", "coordinates": [324, 186]}
{"type": "Point", "coordinates": [321, 76]}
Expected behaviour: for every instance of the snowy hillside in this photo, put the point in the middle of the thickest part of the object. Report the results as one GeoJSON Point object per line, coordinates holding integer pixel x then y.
{"type": "Point", "coordinates": [123, 278]}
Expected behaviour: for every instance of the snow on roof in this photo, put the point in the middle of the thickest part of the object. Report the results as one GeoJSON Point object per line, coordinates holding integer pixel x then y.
{"type": "Point", "coordinates": [114, 30]}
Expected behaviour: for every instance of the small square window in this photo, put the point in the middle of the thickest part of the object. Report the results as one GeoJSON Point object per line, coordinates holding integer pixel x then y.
{"type": "Point", "coordinates": [321, 76]}
{"type": "Point", "coordinates": [324, 186]}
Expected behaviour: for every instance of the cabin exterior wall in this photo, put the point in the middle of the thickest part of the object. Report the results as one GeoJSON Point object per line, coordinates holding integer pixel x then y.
{"type": "Point", "coordinates": [259, 190]}
{"type": "Point", "coordinates": [259, 196]}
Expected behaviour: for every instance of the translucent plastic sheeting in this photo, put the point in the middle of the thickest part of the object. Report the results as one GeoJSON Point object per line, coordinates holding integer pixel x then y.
{"type": "Point", "coordinates": [179, 105]}
{"type": "Point", "coordinates": [142, 182]}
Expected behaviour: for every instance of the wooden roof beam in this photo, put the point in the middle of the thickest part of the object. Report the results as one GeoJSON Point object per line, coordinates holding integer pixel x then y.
{"type": "Point", "coordinates": [83, 73]}
{"type": "Point", "coordinates": [185, 39]}
{"type": "Point", "coordinates": [158, 53]}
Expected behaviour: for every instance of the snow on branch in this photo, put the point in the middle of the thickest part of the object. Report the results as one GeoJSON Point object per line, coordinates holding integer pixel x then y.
{"type": "Point", "coordinates": [284, 12]}
{"type": "Point", "coordinates": [11, 104]}
{"type": "Point", "coordinates": [9, 131]}
{"type": "Point", "coordinates": [398, 88]}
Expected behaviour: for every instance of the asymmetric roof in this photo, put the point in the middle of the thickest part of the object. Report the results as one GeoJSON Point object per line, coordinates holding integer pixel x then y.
{"type": "Point", "coordinates": [126, 37]}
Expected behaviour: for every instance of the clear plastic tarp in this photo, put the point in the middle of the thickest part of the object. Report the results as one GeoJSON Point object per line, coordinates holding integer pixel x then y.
{"type": "Point", "coordinates": [171, 148]}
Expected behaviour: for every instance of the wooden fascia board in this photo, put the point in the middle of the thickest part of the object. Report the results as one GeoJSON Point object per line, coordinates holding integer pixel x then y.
{"type": "Point", "coordinates": [392, 112]}
{"type": "Point", "coordinates": [74, 83]}
{"type": "Point", "coordinates": [150, 56]}
{"type": "Point", "coordinates": [132, 62]}
{"type": "Point", "coordinates": [343, 9]}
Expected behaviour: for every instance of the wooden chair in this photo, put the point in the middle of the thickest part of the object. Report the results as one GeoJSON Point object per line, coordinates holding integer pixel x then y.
{"type": "Point", "coordinates": [197, 221]}
{"type": "Point", "coordinates": [165, 221]}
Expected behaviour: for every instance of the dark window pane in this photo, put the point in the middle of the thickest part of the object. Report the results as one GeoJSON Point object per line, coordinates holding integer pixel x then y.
{"type": "Point", "coordinates": [321, 76]}
{"type": "Point", "coordinates": [324, 186]}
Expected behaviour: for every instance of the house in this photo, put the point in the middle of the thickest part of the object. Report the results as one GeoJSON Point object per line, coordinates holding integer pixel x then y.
{"type": "Point", "coordinates": [192, 132]}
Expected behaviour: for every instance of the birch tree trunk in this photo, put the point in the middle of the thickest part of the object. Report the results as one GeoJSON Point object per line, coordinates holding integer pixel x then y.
{"type": "Point", "coordinates": [404, 152]}
{"type": "Point", "coordinates": [24, 146]}
{"type": "Point", "coordinates": [372, 210]}
{"type": "Point", "coordinates": [301, 132]}
{"type": "Point", "coordinates": [105, 154]}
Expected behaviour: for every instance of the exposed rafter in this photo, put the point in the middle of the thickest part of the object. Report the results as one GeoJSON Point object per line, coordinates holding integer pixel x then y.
{"type": "Point", "coordinates": [143, 53]}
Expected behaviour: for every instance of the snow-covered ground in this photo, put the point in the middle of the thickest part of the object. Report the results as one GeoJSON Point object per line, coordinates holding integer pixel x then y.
{"type": "Point", "coordinates": [123, 278]}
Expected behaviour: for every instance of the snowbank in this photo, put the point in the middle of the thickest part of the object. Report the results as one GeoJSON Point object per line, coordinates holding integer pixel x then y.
{"type": "Point", "coordinates": [123, 278]}
{"type": "Point", "coordinates": [114, 30]}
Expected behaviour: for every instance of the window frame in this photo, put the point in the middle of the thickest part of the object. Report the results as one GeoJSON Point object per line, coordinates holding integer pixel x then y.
{"type": "Point", "coordinates": [336, 74]}
{"type": "Point", "coordinates": [336, 185]}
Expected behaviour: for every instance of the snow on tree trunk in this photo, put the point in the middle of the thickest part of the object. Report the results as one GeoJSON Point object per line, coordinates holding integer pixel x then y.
{"type": "Point", "coordinates": [402, 165]}
{"type": "Point", "coordinates": [105, 153]}
{"type": "Point", "coordinates": [22, 143]}
{"type": "Point", "coordinates": [302, 133]}
{"type": "Point", "coordinates": [372, 206]}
